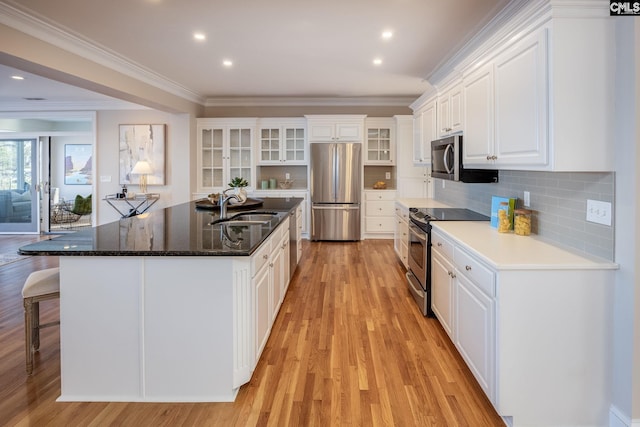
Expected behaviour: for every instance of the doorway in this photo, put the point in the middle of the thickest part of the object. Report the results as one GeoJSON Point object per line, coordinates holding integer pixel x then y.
{"type": "Point", "coordinates": [19, 204]}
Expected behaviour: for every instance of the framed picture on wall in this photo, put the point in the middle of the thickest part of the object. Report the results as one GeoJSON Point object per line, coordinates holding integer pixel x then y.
{"type": "Point", "coordinates": [142, 143]}
{"type": "Point", "coordinates": [77, 164]}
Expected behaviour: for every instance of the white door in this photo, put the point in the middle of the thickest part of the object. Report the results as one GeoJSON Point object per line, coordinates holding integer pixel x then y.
{"type": "Point", "coordinates": [18, 186]}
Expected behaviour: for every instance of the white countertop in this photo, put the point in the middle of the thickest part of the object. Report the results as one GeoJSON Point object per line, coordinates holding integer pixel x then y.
{"type": "Point", "coordinates": [508, 251]}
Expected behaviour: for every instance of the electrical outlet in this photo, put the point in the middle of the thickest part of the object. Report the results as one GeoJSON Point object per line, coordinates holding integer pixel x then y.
{"type": "Point", "coordinates": [287, 175]}
{"type": "Point", "coordinates": [443, 181]}
{"type": "Point", "coordinates": [527, 199]}
{"type": "Point", "coordinates": [599, 212]}
{"type": "Point", "coordinates": [387, 175]}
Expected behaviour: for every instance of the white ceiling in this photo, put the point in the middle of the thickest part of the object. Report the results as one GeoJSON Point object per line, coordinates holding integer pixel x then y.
{"type": "Point", "coordinates": [279, 48]}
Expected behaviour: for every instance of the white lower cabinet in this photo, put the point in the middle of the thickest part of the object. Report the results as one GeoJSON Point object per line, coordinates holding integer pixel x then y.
{"type": "Point", "coordinates": [474, 336]}
{"type": "Point", "coordinates": [270, 278]}
{"type": "Point", "coordinates": [442, 290]}
{"type": "Point", "coordinates": [401, 234]}
{"type": "Point", "coordinates": [379, 213]}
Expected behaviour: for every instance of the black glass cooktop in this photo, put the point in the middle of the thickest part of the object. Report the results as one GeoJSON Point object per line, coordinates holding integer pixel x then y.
{"type": "Point", "coordinates": [424, 215]}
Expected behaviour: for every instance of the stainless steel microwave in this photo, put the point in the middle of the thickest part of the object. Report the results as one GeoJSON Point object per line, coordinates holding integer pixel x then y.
{"type": "Point", "coordinates": [446, 162]}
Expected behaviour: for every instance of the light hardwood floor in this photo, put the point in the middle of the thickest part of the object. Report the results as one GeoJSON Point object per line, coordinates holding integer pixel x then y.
{"type": "Point", "coordinates": [349, 347]}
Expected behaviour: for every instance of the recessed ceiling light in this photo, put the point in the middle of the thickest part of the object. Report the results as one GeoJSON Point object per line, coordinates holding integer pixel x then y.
{"type": "Point", "coordinates": [387, 34]}
{"type": "Point", "coordinates": [227, 63]}
{"type": "Point", "coordinates": [199, 36]}
{"type": "Point", "coordinates": [17, 77]}
{"type": "Point", "coordinates": [377, 61]}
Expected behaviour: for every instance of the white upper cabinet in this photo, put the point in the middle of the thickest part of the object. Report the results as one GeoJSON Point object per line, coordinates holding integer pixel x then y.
{"type": "Point", "coordinates": [537, 94]}
{"type": "Point", "coordinates": [282, 141]}
{"type": "Point", "coordinates": [225, 151]}
{"type": "Point", "coordinates": [478, 116]}
{"type": "Point", "coordinates": [450, 110]}
{"type": "Point", "coordinates": [505, 108]}
{"type": "Point", "coordinates": [425, 130]}
{"type": "Point", "coordinates": [338, 128]}
{"type": "Point", "coordinates": [380, 144]}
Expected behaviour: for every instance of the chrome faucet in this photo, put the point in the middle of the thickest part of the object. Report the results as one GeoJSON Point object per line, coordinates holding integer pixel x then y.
{"type": "Point", "coordinates": [224, 200]}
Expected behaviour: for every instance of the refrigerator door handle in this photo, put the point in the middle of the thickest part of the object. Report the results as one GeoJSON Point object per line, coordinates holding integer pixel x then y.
{"type": "Point", "coordinates": [333, 208]}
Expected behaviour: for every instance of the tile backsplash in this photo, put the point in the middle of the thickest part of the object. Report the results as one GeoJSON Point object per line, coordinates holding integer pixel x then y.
{"type": "Point", "coordinates": [558, 201]}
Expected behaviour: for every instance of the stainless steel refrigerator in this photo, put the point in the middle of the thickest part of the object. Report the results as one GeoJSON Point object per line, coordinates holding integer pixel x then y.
{"type": "Point", "coordinates": [335, 191]}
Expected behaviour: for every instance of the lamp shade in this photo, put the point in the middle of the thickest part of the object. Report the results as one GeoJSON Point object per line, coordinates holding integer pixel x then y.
{"type": "Point", "coordinates": [142, 167]}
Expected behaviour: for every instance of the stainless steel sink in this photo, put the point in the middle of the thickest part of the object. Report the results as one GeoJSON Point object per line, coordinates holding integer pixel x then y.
{"type": "Point", "coordinates": [247, 218]}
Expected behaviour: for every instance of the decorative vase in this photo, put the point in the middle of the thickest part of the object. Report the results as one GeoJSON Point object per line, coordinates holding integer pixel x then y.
{"type": "Point", "coordinates": [241, 193]}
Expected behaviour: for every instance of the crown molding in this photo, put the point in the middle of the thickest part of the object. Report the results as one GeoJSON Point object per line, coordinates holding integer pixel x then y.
{"type": "Point", "coordinates": [448, 64]}
{"type": "Point", "coordinates": [391, 101]}
{"type": "Point", "coordinates": [63, 38]}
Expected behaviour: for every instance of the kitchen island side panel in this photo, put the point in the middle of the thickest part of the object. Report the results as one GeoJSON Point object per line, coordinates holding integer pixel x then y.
{"type": "Point", "coordinates": [157, 329]}
{"type": "Point", "coordinates": [100, 329]}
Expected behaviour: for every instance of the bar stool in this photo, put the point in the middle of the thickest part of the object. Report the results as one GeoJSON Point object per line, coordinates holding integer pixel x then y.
{"type": "Point", "coordinates": [40, 286]}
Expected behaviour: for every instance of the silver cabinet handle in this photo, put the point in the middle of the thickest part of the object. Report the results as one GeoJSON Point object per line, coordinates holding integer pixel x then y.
{"type": "Point", "coordinates": [439, 244]}
{"type": "Point", "coordinates": [265, 256]}
{"type": "Point", "coordinates": [467, 267]}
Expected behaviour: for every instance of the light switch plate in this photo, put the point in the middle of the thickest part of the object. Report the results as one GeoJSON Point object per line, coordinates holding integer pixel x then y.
{"type": "Point", "coordinates": [387, 175]}
{"type": "Point", "coordinates": [599, 212]}
{"type": "Point", "coordinates": [287, 175]}
{"type": "Point", "coordinates": [527, 199]}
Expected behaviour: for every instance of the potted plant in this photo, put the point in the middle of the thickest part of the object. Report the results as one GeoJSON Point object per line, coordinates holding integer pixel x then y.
{"type": "Point", "coordinates": [239, 183]}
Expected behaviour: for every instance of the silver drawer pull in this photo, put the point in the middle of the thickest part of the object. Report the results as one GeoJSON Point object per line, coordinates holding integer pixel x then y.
{"type": "Point", "coordinates": [439, 244]}
{"type": "Point", "coordinates": [467, 267]}
{"type": "Point", "coordinates": [265, 256]}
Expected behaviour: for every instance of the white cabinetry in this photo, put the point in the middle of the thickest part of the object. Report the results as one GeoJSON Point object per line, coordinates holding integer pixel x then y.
{"type": "Point", "coordinates": [425, 130]}
{"type": "Point", "coordinates": [224, 152]}
{"type": "Point", "coordinates": [505, 112]}
{"type": "Point", "coordinates": [379, 213]}
{"type": "Point", "coordinates": [380, 144]}
{"type": "Point", "coordinates": [282, 142]}
{"type": "Point", "coordinates": [270, 277]}
{"type": "Point", "coordinates": [475, 318]}
{"type": "Point", "coordinates": [304, 205]}
{"type": "Point", "coordinates": [442, 281]}
{"type": "Point", "coordinates": [412, 180]}
{"type": "Point", "coordinates": [449, 115]}
{"type": "Point", "coordinates": [340, 128]}
{"type": "Point", "coordinates": [401, 234]}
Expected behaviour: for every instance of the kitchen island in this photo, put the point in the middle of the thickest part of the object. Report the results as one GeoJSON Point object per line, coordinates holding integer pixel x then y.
{"type": "Point", "coordinates": [168, 306]}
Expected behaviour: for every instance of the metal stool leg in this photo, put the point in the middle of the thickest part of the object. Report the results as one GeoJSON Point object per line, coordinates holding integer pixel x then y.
{"type": "Point", "coordinates": [28, 333]}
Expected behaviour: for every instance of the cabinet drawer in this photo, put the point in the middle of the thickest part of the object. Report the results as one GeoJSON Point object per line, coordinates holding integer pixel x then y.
{"type": "Point", "coordinates": [260, 257]}
{"type": "Point", "coordinates": [440, 243]}
{"type": "Point", "coordinates": [380, 225]}
{"type": "Point", "coordinates": [379, 209]}
{"type": "Point", "coordinates": [402, 213]}
{"type": "Point", "coordinates": [480, 275]}
{"type": "Point", "coordinates": [380, 195]}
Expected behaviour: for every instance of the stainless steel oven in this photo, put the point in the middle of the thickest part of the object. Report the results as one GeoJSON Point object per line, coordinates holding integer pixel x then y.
{"type": "Point", "coordinates": [419, 274]}
{"type": "Point", "coordinates": [419, 271]}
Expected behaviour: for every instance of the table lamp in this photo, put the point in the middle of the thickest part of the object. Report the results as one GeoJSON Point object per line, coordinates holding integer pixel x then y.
{"type": "Point", "coordinates": [142, 168]}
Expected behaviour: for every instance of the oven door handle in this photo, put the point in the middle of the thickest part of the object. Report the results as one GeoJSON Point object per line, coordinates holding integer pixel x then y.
{"type": "Point", "coordinates": [419, 234]}
{"type": "Point", "coordinates": [410, 279]}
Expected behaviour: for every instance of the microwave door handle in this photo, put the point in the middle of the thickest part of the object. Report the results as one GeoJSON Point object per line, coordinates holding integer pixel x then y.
{"type": "Point", "coordinates": [446, 164]}
{"type": "Point", "coordinates": [417, 233]}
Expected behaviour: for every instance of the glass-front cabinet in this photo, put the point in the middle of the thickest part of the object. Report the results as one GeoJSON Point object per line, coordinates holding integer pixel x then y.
{"type": "Point", "coordinates": [380, 143]}
{"type": "Point", "coordinates": [282, 141]}
{"type": "Point", "coordinates": [225, 150]}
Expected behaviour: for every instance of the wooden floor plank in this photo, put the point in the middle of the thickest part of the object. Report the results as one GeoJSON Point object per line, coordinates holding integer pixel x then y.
{"type": "Point", "coordinates": [349, 347]}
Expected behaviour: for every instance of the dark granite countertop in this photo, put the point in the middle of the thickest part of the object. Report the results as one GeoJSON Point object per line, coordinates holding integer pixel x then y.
{"type": "Point", "coordinates": [181, 230]}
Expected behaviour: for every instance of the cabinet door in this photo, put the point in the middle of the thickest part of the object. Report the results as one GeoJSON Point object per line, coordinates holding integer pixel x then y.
{"type": "Point", "coordinates": [321, 131]}
{"type": "Point", "coordinates": [442, 290]}
{"type": "Point", "coordinates": [262, 309]}
{"type": "Point", "coordinates": [294, 145]}
{"type": "Point", "coordinates": [240, 140]}
{"type": "Point", "coordinates": [444, 107]}
{"type": "Point", "coordinates": [277, 276]}
{"type": "Point", "coordinates": [474, 331]}
{"type": "Point", "coordinates": [521, 103]}
{"type": "Point", "coordinates": [455, 109]}
{"type": "Point", "coordinates": [348, 132]}
{"type": "Point", "coordinates": [428, 131]}
{"type": "Point", "coordinates": [478, 117]}
{"type": "Point", "coordinates": [212, 158]}
{"type": "Point", "coordinates": [379, 146]}
{"type": "Point", "coordinates": [270, 145]}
